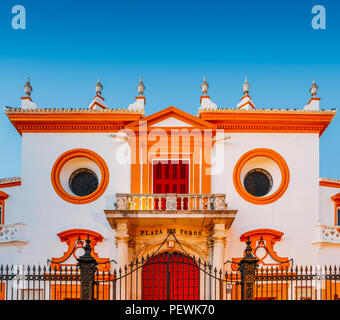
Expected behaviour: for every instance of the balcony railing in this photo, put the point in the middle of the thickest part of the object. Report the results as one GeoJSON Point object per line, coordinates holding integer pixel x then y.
{"type": "Point", "coordinates": [11, 233]}
{"type": "Point", "coordinates": [170, 201]}
{"type": "Point", "coordinates": [329, 234]}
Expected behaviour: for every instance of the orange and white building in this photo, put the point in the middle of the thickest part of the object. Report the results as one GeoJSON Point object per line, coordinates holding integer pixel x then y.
{"type": "Point", "coordinates": [126, 179]}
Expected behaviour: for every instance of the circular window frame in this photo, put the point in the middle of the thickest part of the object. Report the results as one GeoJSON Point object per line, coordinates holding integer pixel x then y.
{"type": "Point", "coordinates": [77, 153]}
{"type": "Point", "coordinates": [261, 152]}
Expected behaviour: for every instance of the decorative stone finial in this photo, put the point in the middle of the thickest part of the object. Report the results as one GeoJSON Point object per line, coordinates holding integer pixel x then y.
{"type": "Point", "coordinates": [314, 89]}
{"type": "Point", "coordinates": [246, 86]}
{"type": "Point", "coordinates": [141, 87]}
{"type": "Point", "coordinates": [99, 87]}
{"type": "Point", "coordinates": [27, 87]}
{"type": "Point", "coordinates": [204, 86]}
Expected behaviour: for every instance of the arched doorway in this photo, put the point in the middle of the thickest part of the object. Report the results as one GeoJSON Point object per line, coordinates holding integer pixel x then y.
{"type": "Point", "coordinates": [170, 276]}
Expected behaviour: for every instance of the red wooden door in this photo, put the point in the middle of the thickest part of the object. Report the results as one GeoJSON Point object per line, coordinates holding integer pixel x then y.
{"type": "Point", "coordinates": [171, 177]}
{"type": "Point", "coordinates": [174, 277]}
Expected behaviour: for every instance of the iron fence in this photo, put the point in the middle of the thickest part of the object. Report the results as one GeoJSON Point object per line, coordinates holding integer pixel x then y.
{"type": "Point", "coordinates": [19, 282]}
{"type": "Point", "coordinates": [168, 276]}
{"type": "Point", "coordinates": [297, 283]}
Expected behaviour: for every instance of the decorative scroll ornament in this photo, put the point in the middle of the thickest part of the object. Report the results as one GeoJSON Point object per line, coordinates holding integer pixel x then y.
{"type": "Point", "coordinates": [71, 237]}
{"type": "Point", "coordinates": [263, 248]}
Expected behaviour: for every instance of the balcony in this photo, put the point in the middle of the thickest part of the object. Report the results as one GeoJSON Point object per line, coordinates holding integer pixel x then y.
{"type": "Point", "coordinates": [328, 234]}
{"type": "Point", "coordinates": [155, 209]}
{"type": "Point", "coordinates": [171, 202]}
{"type": "Point", "coordinates": [12, 234]}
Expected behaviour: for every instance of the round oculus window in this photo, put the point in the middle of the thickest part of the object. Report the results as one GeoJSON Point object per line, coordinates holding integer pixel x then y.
{"type": "Point", "coordinates": [258, 182]}
{"type": "Point", "coordinates": [83, 182]}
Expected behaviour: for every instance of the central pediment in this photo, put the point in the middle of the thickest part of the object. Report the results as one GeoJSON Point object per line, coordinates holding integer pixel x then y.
{"type": "Point", "coordinates": [171, 117]}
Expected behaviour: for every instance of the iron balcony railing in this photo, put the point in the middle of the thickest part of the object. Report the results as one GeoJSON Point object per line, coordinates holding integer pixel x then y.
{"type": "Point", "coordinates": [170, 201]}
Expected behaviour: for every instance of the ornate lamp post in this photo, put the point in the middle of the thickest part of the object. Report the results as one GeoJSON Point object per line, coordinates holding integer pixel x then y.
{"type": "Point", "coordinates": [88, 268]}
{"type": "Point", "coordinates": [247, 267]}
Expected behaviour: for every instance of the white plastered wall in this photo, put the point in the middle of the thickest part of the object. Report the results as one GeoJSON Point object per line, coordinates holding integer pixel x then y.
{"type": "Point", "coordinates": [295, 213]}
{"type": "Point", "coordinates": [45, 213]}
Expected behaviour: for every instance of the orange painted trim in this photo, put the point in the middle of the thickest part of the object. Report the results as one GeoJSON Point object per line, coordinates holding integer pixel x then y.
{"type": "Point", "coordinates": [10, 184]}
{"type": "Point", "coordinates": [261, 152]}
{"type": "Point", "coordinates": [75, 153]}
{"type": "Point", "coordinates": [329, 184]}
{"type": "Point", "coordinates": [97, 104]}
{"type": "Point", "coordinates": [275, 121]}
{"type": "Point", "coordinates": [3, 197]}
{"type": "Point", "coordinates": [206, 165]}
{"type": "Point", "coordinates": [204, 97]}
{"type": "Point", "coordinates": [62, 291]}
{"type": "Point", "coordinates": [2, 291]}
{"type": "Point", "coordinates": [172, 112]}
{"type": "Point", "coordinates": [311, 99]}
{"type": "Point", "coordinates": [141, 98]}
{"type": "Point", "coordinates": [277, 235]}
{"type": "Point", "coordinates": [70, 237]}
{"type": "Point", "coordinates": [245, 96]}
{"type": "Point", "coordinates": [26, 98]}
{"type": "Point", "coordinates": [135, 165]}
{"type": "Point", "coordinates": [93, 121]}
{"type": "Point", "coordinates": [175, 144]}
{"type": "Point", "coordinates": [2, 217]}
{"type": "Point", "coordinates": [80, 232]}
{"type": "Point", "coordinates": [336, 199]}
{"type": "Point", "coordinates": [244, 104]}
{"type": "Point", "coordinates": [270, 237]}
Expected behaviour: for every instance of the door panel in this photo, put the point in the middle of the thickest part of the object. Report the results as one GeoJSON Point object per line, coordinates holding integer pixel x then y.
{"type": "Point", "coordinates": [171, 177]}
{"type": "Point", "coordinates": [170, 276]}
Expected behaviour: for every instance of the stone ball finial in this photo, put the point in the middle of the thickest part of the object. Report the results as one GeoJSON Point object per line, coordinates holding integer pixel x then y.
{"type": "Point", "coordinates": [99, 87]}
{"type": "Point", "coordinates": [141, 87]}
{"type": "Point", "coordinates": [27, 87]}
{"type": "Point", "coordinates": [314, 89]}
{"type": "Point", "coordinates": [246, 86]}
{"type": "Point", "coordinates": [204, 86]}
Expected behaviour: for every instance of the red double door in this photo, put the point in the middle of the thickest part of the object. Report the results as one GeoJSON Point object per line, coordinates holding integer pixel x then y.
{"type": "Point", "coordinates": [170, 277]}
{"type": "Point", "coordinates": [171, 176]}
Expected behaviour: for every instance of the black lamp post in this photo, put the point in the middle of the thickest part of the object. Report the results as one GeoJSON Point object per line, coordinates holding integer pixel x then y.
{"type": "Point", "coordinates": [88, 267]}
{"type": "Point", "coordinates": [247, 267]}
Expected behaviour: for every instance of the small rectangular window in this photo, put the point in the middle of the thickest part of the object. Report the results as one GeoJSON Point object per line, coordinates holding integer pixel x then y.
{"type": "Point", "coordinates": [1, 214]}
{"type": "Point", "coordinates": [338, 216]}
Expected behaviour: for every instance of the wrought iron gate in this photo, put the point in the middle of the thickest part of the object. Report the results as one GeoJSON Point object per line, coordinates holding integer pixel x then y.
{"type": "Point", "coordinates": [167, 276]}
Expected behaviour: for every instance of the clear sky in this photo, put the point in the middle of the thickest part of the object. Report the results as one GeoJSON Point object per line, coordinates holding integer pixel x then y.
{"type": "Point", "coordinates": [67, 44]}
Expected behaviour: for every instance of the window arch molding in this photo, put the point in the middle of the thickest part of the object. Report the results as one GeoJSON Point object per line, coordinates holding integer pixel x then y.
{"type": "Point", "coordinates": [267, 153]}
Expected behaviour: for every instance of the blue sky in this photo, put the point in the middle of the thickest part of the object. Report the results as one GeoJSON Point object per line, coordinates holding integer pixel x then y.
{"type": "Point", "coordinates": [67, 44]}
